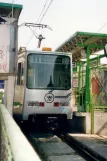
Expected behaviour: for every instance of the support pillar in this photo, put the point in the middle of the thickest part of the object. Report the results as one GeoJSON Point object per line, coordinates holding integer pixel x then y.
{"type": "Point", "coordinates": [79, 87]}
{"type": "Point", "coordinates": [87, 94]}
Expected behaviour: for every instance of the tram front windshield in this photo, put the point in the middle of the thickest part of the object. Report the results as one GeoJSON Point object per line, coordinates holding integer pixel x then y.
{"type": "Point", "coordinates": [48, 72]}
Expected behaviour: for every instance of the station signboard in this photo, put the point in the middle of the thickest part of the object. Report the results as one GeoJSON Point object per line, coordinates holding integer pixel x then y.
{"type": "Point", "coordinates": [75, 82]}
{"type": "Point", "coordinates": [74, 64]}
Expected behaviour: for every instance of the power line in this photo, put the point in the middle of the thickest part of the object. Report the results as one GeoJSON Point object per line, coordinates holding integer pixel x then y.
{"type": "Point", "coordinates": [46, 11]}
{"type": "Point", "coordinates": [102, 27]}
{"type": "Point", "coordinates": [42, 11]}
{"type": "Point", "coordinates": [41, 18]}
{"type": "Point", "coordinates": [33, 32]}
{"type": "Point", "coordinates": [37, 22]}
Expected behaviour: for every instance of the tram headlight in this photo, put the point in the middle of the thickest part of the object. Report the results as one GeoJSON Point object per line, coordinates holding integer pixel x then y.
{"type": "Point", "coordinates": [41, 104]}
{"type": "Point", "coordinates": [57, 104]}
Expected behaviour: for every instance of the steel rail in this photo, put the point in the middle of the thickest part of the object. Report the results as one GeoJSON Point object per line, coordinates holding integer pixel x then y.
{"type": "Point", "coordinates": [80, 147]}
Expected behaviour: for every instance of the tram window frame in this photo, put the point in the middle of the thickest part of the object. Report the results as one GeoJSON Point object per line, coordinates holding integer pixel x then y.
{"type": "Point", "coordinates": [20, 73]}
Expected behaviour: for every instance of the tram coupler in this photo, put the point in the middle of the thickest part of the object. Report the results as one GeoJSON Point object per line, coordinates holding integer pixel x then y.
{"type": "Point", "coordinates": [52, 123]}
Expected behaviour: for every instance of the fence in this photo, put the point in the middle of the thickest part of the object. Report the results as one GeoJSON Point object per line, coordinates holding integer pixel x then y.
{"type": "Point", "coordinates": [97, 85]}
{"type": "Point", "coordinates": [98, 91]}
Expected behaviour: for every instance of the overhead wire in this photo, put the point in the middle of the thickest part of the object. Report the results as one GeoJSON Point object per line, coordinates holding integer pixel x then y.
{"type": "Point", "coordinates": [46, 11]}
{"type": "Point", "coordinates": [102, 27]}
{"type": "Point", "coordinates": [42, 11]}
{"type": "Point", "coordinates": [33, 32]}
{"type": "Point", "coordinates": [41, 18]}
{"type": "Point", "coordinates": [37, 22]}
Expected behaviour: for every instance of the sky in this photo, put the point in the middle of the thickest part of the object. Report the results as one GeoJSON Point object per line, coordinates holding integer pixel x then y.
{"type": "Point", "coordinates": [65, 17]}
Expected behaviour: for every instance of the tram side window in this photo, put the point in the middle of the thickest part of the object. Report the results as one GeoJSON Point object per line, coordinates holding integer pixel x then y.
{"type": "Point", "coordinates": [20, 74]}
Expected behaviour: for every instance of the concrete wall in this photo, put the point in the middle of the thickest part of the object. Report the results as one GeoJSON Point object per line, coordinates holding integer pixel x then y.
{"type": "Point", "coordinates": [81, 123]}
{"type": "Point", "coordinates": [101, 123]}
{"type": "Point", "coordinates": [13, 144]}
{"type": "Point", "coordinates": [5, 149]}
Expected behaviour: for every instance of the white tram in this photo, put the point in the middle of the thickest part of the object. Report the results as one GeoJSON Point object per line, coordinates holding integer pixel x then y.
{"type": "Point", "coordinates": [43, 86]}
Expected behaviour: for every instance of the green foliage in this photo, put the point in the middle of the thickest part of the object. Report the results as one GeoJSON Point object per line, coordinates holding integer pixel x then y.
{"type": "Point", "coordinates": [17, 104]}
{"type": "Point", "coordinates": [1, 96]}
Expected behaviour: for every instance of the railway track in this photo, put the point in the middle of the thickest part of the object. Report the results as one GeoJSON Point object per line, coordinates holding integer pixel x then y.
{"type": "Point", "coordinates": [53, 146]}
{"type": "Point", "coordinates": [83, 150]}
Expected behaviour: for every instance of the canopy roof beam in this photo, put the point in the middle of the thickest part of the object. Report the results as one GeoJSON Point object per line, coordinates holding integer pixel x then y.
{"type": "Point", "coordinates": [82, 39]}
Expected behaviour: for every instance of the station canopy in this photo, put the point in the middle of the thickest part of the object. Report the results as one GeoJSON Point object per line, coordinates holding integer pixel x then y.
{"type": "Point", "coordinates": [79, 40]}
{"type": "Point", "coordinates": [7, 8]}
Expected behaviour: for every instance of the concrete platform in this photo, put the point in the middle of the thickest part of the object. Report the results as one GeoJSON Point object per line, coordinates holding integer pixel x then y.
{"type": "Point", "coordinates": [95, 143]}
{"type": "Point", "coordinates": [81, 122]}
{"type": "Point", "coordinates": [66, 158]}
